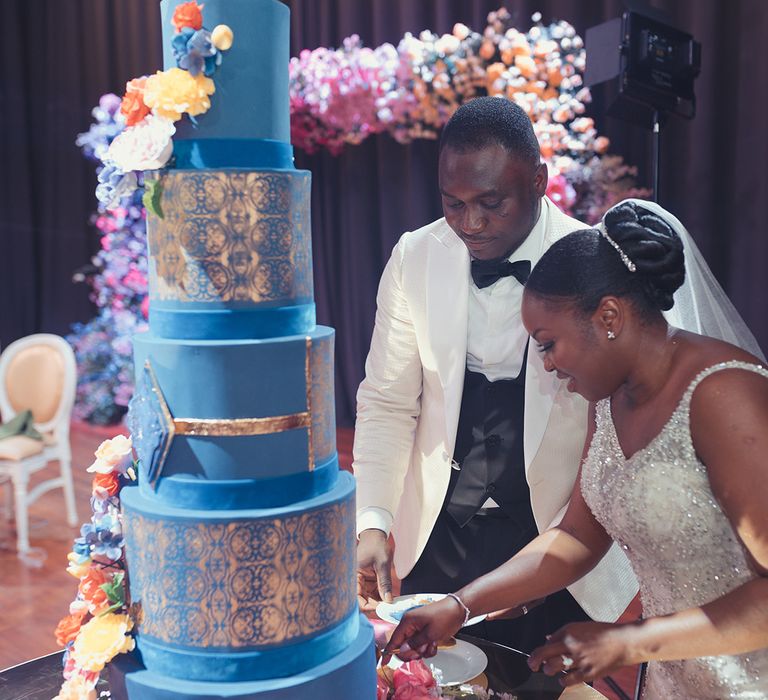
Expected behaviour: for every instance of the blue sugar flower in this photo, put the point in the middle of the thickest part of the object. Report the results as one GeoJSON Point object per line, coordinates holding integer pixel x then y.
{"type": "Point", "coordinates": [101, 506]}
{"type": "Point", "coordinates": [194, 51]}
{"type": "Point", "coordinates": [82, 549]}
{"type": "Point", "coordinates": [113, 185]}
{"type": "Point", "coordinates": [106, 537]}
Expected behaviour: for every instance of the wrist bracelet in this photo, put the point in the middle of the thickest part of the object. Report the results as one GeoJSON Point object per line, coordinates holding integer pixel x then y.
{"type": "Point", "coordinates": [463, 607]}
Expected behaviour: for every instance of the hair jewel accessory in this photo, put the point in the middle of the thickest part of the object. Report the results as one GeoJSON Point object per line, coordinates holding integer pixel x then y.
{"type": "Point", "coordinates": [624, 257]}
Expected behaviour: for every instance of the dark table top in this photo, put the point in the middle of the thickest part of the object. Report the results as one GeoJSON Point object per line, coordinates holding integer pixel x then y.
{"type": "Point", "coordinates": [40, 679]}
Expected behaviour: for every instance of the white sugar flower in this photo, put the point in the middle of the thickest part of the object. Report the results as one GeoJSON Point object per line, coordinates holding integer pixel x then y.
{"type": "Point", "coordinates": [145, 146]}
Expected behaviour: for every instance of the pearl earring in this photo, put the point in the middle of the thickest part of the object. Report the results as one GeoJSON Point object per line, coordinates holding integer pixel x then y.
{"type": "Point", "coordinates": [611, 335]}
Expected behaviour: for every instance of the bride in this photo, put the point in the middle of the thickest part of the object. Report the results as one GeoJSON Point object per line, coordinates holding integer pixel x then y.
{"type": "Point", "coordinates": [674, 470]}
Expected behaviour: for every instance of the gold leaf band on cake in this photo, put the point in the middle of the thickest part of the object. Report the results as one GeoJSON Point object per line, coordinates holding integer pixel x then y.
{"type": "Point", "coordinates": [318, 421]}
{"type": "Point", "coordinates": [231, 427]}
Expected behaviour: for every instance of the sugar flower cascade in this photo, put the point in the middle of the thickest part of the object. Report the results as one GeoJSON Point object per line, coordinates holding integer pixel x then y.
{"type": "Point", "coordinates": [152, 104]}
{"type": "Point", "coordinates": [99, 622]}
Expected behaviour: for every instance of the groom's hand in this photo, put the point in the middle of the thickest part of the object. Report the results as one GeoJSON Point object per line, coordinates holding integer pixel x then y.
{"type": "Point", "coordinates": [374, 569]}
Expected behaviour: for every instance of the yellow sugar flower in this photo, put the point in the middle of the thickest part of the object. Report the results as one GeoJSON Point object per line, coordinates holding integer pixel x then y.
{"type": "Point", "coordinates": [172, 92]}
{"type": "Point", "coordinates": [78, 688]}
{"type": "Point", "coordinates": [101, 639]}
{"type": "Point", "coordinates": [78, 568]}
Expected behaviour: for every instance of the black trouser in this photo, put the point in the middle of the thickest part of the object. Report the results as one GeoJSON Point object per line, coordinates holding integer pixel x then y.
{"type": "Point", "coordinates": [455, 555]}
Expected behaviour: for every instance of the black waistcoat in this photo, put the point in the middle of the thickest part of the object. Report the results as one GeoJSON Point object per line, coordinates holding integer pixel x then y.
{"type": "Point", "coordinates": [489, 450]}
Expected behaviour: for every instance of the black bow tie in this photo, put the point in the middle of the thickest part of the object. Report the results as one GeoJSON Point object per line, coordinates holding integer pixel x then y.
{"type": "Point", "coordinates": [486, 272]}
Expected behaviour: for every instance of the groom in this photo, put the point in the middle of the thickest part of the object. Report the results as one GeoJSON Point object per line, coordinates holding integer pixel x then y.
{"type": "Point", "coordinates": [465, 447]}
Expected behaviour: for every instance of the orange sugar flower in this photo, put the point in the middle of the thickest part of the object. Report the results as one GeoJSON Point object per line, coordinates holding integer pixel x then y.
{"type": "Point", "coordinates": [132, 105]}
{"type": "Point", "coordinates": [107, 482]}
{"type": "Point", "coordinates": [90, 588]}
{"type": "Point", "coordinates": [68, 627]}
{"type": "Point", "coordinates": [188, 14]}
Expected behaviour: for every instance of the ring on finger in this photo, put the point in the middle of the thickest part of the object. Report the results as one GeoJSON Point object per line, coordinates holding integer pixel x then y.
{"type": "Point", "coordinates": [524, 608]}
{"type": "Point", "coordinates": [567, 661]}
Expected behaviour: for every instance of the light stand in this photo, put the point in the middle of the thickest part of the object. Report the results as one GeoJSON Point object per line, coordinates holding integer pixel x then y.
{"type": "Point", "coordinates": [655, 65]}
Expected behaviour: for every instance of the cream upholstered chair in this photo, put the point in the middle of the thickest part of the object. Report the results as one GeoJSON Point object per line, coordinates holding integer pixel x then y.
{"type": "Point", "coordinates": [38, 373]}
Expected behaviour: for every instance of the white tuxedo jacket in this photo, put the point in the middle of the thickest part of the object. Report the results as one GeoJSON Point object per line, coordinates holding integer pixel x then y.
{"type": "Point", "coordinates": [408, 408]}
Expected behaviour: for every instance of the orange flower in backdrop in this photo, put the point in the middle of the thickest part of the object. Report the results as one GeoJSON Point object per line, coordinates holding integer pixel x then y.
{"type": "Point", "coordinates": [132, 104]}
{"type": "Point", "coordinates": [188, 14]}
{"type": "Point", "coordinates": [107, 482]}
{"type": "Point", "coordinates": [493, 73]}
{"type": "Point", "coordinates": [527, 66]}
{"type": "Point", "coordinates": [68, 628]}
{"type": "Point", "coordinates": [487, 50]}
{"type": "Point", "coordinates": [90, 588]}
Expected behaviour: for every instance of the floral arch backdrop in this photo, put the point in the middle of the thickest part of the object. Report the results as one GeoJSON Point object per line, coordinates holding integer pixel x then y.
{"type": "Point", "coordinates": [340, 97]}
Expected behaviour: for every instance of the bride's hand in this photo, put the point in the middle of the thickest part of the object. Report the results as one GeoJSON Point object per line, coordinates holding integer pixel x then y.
{"type": "Point", "coordinates": [421, 629]}
{"type": "Point", "coordinates": [586, 651]}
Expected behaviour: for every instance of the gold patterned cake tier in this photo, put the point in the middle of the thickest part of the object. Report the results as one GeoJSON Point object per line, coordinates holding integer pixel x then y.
{"type": "Point", "coordinates": [230, 236]}
{"type": "Point", "coordinates": [212, 584]}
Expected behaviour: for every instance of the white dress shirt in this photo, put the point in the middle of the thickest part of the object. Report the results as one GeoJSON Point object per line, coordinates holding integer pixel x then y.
{"type": "Point", "coordinates": [496, 340]}
{"type": "Point", "coordinates": [496, 336]}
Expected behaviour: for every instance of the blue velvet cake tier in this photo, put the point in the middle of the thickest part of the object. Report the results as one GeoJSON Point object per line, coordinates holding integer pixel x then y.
{"type": "Point", "coordinates": [235, 423]}
{"type": "Point", "coordinates": [350, 675]}
{"type": "Point", "coordinates": [248, 124]}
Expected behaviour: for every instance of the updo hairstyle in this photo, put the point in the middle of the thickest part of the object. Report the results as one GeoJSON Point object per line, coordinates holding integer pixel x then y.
{"type": "Point", "coordinates": [584, 267]}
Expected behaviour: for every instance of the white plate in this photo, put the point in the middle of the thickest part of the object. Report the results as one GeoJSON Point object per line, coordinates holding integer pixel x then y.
{"type": "Point", "coordinates": [454, 665]}
{"type": "Point", "coordinates": [394, 611]}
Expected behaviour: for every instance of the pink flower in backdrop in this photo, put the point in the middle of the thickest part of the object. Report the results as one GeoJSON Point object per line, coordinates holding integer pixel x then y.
{"type": "Point", "coordinates": [561, 192]}
{"type": "Point", "coordinates": [135, 280]}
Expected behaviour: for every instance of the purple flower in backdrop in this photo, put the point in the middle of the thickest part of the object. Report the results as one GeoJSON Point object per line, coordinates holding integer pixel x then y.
{"type": "Point", "coordinates": [110, 104]}
{"type": "Point", "coordinates": [109, 123]}
{"type": "Point", "coordinates": [194, 51]}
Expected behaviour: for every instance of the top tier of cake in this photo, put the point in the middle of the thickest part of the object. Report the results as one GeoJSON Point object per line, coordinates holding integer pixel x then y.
{"type": "Point", "coordinates": [248, 124]}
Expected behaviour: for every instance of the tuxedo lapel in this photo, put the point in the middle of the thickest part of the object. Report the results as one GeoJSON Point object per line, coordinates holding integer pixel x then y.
{"type": "Point", "coordinates": [447, 290]}
{"type": "Point", "coordinates": [542, 386]}
{"type": "Point", "coordinates": [540, 390]}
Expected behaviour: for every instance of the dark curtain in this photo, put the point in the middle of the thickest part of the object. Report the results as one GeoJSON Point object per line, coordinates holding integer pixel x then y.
{"type": "Point", "coordinates": [58, 58]}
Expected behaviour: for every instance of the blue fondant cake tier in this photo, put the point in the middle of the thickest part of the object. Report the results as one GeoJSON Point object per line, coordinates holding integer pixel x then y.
{"type": "Point", "coordinates": [231, 254]}
{"type": "Point", "coordinates": [244, 594]}
{"type": "Point", "coordinates": [255, 416]}
{"type": "Point", "coordinates": [251, 99]}
{"type": "Point", "coordinates": [350, 675]}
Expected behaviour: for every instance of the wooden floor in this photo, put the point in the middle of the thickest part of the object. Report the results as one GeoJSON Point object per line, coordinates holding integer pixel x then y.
{"type": "Point", "coordinates": [35, 595]}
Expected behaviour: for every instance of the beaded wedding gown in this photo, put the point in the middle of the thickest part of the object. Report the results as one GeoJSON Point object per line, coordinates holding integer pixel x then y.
{"type": "Point", "coordinates": [658, 505]}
